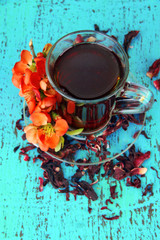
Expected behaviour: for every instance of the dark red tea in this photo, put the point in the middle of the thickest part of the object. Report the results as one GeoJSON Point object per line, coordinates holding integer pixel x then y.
{"type": "Point", "coordinates": [87, 71]}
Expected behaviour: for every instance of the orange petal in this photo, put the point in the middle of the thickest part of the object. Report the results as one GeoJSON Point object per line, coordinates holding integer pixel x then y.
{"type": "Point", "coordinates": [48, 109]}
{"type": "Point", "coordinates": [70, 107]}
{"type": "Point", "coordinates": [16, 79]}
{"type": "Point", "coordinates": [138, 171]}
{"type": "Point", "coordinates": [43, 85]}
{"type": "Point", "coordinates": [26, 57]}
{"type": "Point", "coordinates": [38, 118]}
{"type": "Point", "coordinates": [37, 94]}
{"type": "Point", "coordinates": [13, 71]}
{"type": "Point", "coordinates": [35, 80]}
{"type": "Point", "coordinates": [20, 67]}
{"type": "Point", "coordinates": [31, 135]}
{"type": "Point", "coordinates": [40, 64]}
{"type": "Point", "coordinates": [31, 106]}
{"type": "Point", "coordinates": [47, 47]}
{"type": "Point", "coordinates": [37, 108]}
{"type": "Point", "coordinates": [48, 117]}
{"type": "Point", "coordinates": [50, 92]}
{"type": "Point", "coordinates": [28, 73]}
{"type": "Point", "coordinates": [41, 140]}
{"type": "Point", "coordinates": [61, 127]}
{"type": "Point", "coordinates": [43, 147]}
{"type": "Point", "coordinates": [40, 55]}
{"type": "Point", "coordinates": [30, 126]}
{"type": "Point", "coordinates": [52, 141]}
{"type": "Point", "coordinates": [25, 88]}
{"type": "Point", "coordinates": [48, 101]}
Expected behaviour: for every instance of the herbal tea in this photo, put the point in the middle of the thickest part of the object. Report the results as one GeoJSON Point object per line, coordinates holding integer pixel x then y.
{"type": "Point", "coordinates": [87, 71]}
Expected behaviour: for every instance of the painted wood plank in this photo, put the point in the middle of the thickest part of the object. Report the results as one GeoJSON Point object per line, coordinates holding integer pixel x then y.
{"type": "Point", "coordinates": [26, 213]}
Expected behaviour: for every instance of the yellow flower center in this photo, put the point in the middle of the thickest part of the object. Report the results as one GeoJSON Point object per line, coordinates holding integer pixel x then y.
{"type": "Point", "coordinates": [33, 67]}
{"type": "Point", "coordinates": [29, 95]}
{"type": "Point", "coordinates": [48, 129]}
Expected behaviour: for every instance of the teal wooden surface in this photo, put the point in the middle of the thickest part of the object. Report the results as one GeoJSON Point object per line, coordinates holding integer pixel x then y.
{"type": "Point", "coordinates": [26, 213]}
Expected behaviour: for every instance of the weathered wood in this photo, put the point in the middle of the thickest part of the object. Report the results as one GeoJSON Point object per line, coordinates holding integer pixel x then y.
{"type": "Point", "coordinates": [26, 213]}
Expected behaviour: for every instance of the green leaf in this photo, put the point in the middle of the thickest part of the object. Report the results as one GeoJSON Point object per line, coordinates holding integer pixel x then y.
{"type": "Point", "coordinates": [75, 132]}
{"type": "Point", "coordinates": [60, 144]}
{"type": "Point", "coordinates": [42, 94]}
{"type": "Point", "coordinates": [54, 115]}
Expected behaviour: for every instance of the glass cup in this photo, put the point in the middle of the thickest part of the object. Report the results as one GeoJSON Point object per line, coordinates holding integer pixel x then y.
{"type": "Point", "coordinates": [93, 115]}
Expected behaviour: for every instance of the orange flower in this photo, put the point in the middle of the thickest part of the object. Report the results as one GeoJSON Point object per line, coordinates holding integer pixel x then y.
{"type": "Point", "coordinates": [47, 88]}
{"type": "Point", "coordinates": [31, 133]}
{"type": "Point", "coordinates": [46, 104]}
{"type": "Point", "coordinates": [42, 132]}
{"type": "Point", "coordinates": [39, 118]}
{"type": "Point", "coordinates": [48, 137]}
{"type": "Point", "coordinates": [20, 67]}
{"type": "Point", "coordinates": [16, 79]}
{"type": "Point", "coordinates": [61, 127]}
{"type": "Point", "coordinates": [29, 94]}
{"type": "Point", "coordinates": [40, 65]}
{"type": "Point", "coordinates": [26, 61]}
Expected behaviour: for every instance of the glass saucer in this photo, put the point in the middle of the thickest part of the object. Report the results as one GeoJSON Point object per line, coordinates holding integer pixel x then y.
{"type": "Point", "coordinates": [116, 144]}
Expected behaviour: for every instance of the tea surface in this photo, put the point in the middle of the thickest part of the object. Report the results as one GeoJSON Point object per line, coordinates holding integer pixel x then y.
{"type": "Point", "coordinates": [87, 71]}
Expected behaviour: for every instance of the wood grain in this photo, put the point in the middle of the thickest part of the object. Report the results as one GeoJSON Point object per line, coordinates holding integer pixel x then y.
{"type": "Point", "coordinates": [26, 213]}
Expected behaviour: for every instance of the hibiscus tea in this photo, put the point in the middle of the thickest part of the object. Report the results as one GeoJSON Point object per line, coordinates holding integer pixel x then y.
{"type": "Point", "coordinates": [87, 71]}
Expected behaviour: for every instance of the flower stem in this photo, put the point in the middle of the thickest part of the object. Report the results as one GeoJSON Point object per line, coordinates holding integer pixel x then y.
{"type": "Point", "coordinates": [32, 48]}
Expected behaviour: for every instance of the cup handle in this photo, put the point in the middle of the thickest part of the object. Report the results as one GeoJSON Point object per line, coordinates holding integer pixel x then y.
{"type": "Point", "coordinates": [134, 98]}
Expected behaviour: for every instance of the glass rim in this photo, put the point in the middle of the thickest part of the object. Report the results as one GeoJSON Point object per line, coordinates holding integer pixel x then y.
{"type": "Point", "coordinates": [88, 101]}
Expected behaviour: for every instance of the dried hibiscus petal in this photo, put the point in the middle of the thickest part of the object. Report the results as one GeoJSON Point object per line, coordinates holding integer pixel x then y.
{"type": "Point", "coordinates": [45, 182]}
{"type": "Point", "coordinates": [155, 171]}
{"type": "Point", "coordinates": [113, 192]}
{"type": "Point", "coordinates": [119, 173]}
{"type": "Point", "coordinates": [18, 124]}
{"type": "Point", "coordinates": [134, 183]}
{"type": "Point", "coordinates": [77, 176]}
{"type": "Point", "coordinates": [128, 38]}
{"type": "Point", "coordinates": [108, 201]}
{"type": "Point", "coordinates": [87, 190]}
{"type": "Point", "coordinates": [89, 209]}
{"type": "Point", "coordinates": [16, 148]}
{"type": "Point", "coordinates": [141, 157]}
{"type": "Point", "coordinates": [154, 69]}
{"type": "Point", "coordinates": [79, 39]}
{"type": "Point", "coordinates": [142, 133]}
{"type": "Point", "coordinates": [28, 148]}
{"type": "Point", "coordinates": [96, 28]}
{"type": "Point", "coordinates": [148, 189]}
{"type": "Point", "coordinates": [138, 171]}
{"type": "Point", "coordinates": [156, 83]}
{"type": "Point", "coordinates": [55, 174]}
{"type": "Point", "coordinates": [110, 218]}
{"type": "Point", "coordinates": [108, 168]}
{"type": "Point", "coordinates": [40, 184]}
{"type": "Point", "coordinates": [145, 134]}
{"type": "Point", "coordinates": [92, 170]}
{"type": "Point", "coordinates": [110, 129]}
{"type": "Point", "coordinates": [24, 136]}
{"type": "Point", "coordinates": [26, 157]}
{"type": "Point", "coordinates": [103, 208]}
